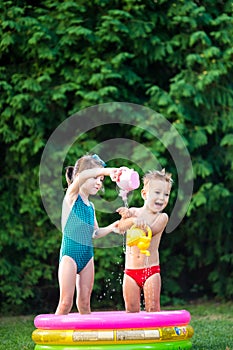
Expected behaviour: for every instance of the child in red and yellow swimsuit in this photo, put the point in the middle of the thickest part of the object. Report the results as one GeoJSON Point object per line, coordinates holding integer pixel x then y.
{"type": "Point", "coordinates": [143, 271]}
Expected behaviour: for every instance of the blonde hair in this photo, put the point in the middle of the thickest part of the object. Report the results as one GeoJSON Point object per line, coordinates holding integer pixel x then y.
{"type": "Point", "coordinates": [157, 175]}
{"type": "Point", "coordinates": [83, 163]}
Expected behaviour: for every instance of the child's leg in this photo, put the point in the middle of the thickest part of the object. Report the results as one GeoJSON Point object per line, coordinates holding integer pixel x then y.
{"type": "Point", "coordinates": [152, 289]}
{"type": "Point", "coordinates": [67, 277]}
{"type": "Point", "coordinates": [131, 294]}
{"type": "Point", "coordinates": [84, 286]}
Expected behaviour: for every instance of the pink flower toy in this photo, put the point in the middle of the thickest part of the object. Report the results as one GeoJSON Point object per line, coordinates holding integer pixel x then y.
{"type": "Point", "coordinates": [128, 181]}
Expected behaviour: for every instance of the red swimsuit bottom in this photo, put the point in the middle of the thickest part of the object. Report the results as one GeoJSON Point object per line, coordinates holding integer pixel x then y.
{"type": "Point", "coordinates": [141, 275]}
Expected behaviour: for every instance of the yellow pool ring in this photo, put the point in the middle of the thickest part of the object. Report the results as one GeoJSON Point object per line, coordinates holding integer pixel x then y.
{"type": "Point", "coordinates": [105, 337]}
{"type": "Point", "coordinates": [138, 237]}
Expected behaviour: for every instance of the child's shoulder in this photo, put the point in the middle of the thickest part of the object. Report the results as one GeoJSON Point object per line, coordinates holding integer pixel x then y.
{"type": "Point", "coordinates": [162, 217]}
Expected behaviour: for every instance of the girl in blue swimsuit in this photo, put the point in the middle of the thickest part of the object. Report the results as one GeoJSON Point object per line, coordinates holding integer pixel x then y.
{"type": "Point", "coordinates": [79, 226]}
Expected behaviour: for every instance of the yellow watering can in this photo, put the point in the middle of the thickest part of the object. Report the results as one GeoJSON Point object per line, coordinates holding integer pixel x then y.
{"type": "Point", "coordinates": [137, 237]}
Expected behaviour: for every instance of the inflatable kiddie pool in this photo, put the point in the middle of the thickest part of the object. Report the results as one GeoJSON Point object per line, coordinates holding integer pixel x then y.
{"type": "Point", "coordinates": [114, 329]}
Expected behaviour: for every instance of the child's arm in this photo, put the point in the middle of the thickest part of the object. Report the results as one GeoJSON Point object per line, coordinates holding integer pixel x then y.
{"type": "Point", "coordinates": [74, 187]}
{"type": "Point", "coordinates": [129, 217]}
{"type": "Point", "coordinates": [103, 231]}
{"type": "Point", "coordinates": [159, 223]}
{"type": "Point", "coordinates": [125, 224]}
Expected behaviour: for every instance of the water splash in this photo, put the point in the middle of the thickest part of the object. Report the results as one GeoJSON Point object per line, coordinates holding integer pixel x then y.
{"type": "Point", "coordinates": [126, 204]}
{"type": "Point", "coordinates": [147, 261]}
{"type": "Point", "coordinates": [124, 196]}
{"type": "Point", "coordinates": [128, 181]}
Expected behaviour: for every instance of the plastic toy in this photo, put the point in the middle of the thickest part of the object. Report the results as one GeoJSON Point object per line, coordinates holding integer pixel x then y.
{"type": "Point", "coordinates": [138, 237]}
{"type": "Point", "coordinates": [128, 181]}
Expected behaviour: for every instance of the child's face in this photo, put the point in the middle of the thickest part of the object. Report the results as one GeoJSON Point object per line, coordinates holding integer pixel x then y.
{"type": "Point", "coordinates": [93, 184]}
{"type": "Point", "coordinates": [156, 195]}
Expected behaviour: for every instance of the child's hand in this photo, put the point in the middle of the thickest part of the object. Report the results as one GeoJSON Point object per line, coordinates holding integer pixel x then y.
{"type": "Point", "coordinates": [141, 223]}
{"type": "Point", "coordinates": [115, 227]}
{"type": "Point", "coordinates": [115, 174]}
{"type": "Point", "coordinates": [124, 212]}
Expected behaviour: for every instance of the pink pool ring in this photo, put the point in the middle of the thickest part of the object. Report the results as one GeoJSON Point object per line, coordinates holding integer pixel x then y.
{"type": "Point", "coordinates": [113, 320]}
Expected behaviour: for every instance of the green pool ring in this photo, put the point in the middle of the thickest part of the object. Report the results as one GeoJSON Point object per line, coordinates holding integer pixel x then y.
{"type": "Point", "coordinates": [173, 345]}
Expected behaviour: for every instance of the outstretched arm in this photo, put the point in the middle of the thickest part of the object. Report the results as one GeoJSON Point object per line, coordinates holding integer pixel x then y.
{"type": "Point", "coordinates": [125, 224]}
{"type": "Point", "coordinates": [74, 187]}
{"type": "Point", "coordinates": [103, 231]}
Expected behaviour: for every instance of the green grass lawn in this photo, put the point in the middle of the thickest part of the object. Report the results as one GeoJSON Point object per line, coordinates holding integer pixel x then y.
{"type": "Point", "coordinates": [212, 323]}
{"type": "Point", "coordinates": [15, 333]}
{"type": "Point", "coordinates": [213, 326]}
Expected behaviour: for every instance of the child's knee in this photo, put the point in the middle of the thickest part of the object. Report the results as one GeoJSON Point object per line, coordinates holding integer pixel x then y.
{"type": "Point", "coordinates": [132, 307]}
{"type": "Point", "coordinates": [65, 306]}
